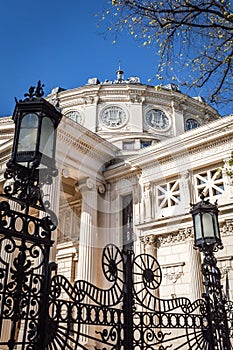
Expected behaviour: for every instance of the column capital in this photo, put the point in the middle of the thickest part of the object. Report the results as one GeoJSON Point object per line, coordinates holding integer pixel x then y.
{"type": "Point", "coordinates": [185, 175]}
{"type": "Point", "coordinates": [90, 185]}
{"type": "Point", "coordinates": [149, 240]}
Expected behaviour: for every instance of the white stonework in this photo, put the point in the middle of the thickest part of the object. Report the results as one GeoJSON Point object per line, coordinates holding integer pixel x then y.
{"type": "Point", "coordinates": [105, 158]}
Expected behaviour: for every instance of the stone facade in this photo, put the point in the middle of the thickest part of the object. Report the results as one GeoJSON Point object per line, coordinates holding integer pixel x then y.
{"type": "Point", "coordinates": [156, 145]}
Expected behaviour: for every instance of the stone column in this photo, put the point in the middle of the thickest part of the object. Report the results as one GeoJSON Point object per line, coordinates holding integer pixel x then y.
{"type": "Point", "coordinates": [52, 195]}
{"type": "Point", "coordinates": [150, 248]}
{"type": "Point", "coordinates": [150, 245]}
{"type": "Point", "coordinates": [65, 260]}
{"type": "Point", "coordinates": [195, 275]}
{"type": "Point", "coordinates": [87, 244]}
{"type": "Point", "coordinates": [88, 230]}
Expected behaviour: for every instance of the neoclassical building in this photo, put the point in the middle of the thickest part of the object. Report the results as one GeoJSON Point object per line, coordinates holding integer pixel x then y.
{"type": "Point", "coordinates": [131, 158]}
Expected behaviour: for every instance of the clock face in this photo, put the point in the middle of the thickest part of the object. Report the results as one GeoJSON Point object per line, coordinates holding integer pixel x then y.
{"type": "Point", "coordinates": [113, 117]}
{"type": "Point", "coordinates": [75, 116]}
{"type": "Point", "coordinates": [191, 124]}
{"type": "Point", "coordinates": [157, 119]}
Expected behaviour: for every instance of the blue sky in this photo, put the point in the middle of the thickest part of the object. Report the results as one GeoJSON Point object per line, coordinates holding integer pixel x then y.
{"type": "Point", "coordinates": [60, 43]}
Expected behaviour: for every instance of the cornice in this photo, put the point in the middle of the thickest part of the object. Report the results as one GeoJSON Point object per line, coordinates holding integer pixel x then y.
{"type": "Point", "coordinates": [135, 93]}
{"type": "Point", "coordinates": [75, 201]}
{"type": "Point", "coordinates": [81, 146]}
{"type": "Point", "coordinates": [7, 135]}
{"type": "Point", "coordinates": [198, 151]}
{"type": "Point", "coordinates": [6, 120]}
{"type": "Point", "coordinates": [77, 133]}
{"type": "Point", "coordinates": [123, 172]}
{"type": "Point", "coordinates": [203, 139]}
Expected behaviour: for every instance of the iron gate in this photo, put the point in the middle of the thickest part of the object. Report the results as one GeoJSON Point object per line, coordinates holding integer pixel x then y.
{"type": "Point", "coordinates": [42, 310]}
{"type": "Point", "coordinates": [128, 315]}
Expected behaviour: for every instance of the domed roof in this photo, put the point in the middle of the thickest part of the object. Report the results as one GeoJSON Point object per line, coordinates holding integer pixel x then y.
{"type": "Point", "coordinates": [132, 115]}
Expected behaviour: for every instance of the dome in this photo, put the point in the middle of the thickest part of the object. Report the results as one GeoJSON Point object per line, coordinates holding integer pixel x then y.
{"type": "Point", "coordinates": [132, 115]}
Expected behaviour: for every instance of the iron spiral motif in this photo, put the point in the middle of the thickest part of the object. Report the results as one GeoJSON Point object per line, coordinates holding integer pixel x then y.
{"type": "Point", "coordinates": [82, 313]}
{"type": "Point", "coordinates": [112, 263]}
{"type": "Point", "coordinates": [147, 276]}
{"type": "Point", "coordinates": [164, 323]}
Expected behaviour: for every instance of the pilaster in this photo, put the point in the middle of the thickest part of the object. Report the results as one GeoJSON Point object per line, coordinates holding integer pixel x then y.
{"type": "Point", "coordinates": [147, 202]}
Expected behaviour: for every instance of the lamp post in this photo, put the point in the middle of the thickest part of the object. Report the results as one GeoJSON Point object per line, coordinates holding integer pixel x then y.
{"type": "Point", "coordinates": [32, 162]}
{"type": "Point", "coordinates": [25, 238]}
{"type": "Point", "coordinates": [208, 240]}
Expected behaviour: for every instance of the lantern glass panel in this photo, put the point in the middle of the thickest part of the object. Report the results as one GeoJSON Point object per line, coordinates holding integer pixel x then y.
{"type": "Point", "coordinates": [28, 133]}
{"type": "Point", "coordinates": [197, 226]}
{"type": "Point", "coordinates": [47, 137]}
{"type": "Point", "coordinates": [217, 232]}
{"type": "Point", "coordinates": [208, 225]}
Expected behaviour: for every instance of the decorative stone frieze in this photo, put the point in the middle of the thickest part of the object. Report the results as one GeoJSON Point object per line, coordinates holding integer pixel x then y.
{"type": "Point", "coordinates": [226, 228]}
{"type": "Point", "coordinates": [136, 98]}
{"type": "Point", "coordinates": [89, 99]}
{"type": "Point", "coordinates": [149, 240]}
{"type": "Point", "coordinates": [181, 236]}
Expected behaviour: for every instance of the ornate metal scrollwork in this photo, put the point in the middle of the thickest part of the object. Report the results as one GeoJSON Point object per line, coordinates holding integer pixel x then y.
{"type": "Point", "coordinates": [48, 312]}
{"type": "Point", "coordinates": [35, 91]}
{"type": "Point", "coordinates": [71, 316]}
{"type": "Point", "coordinates": [104, 321]}
{"type": "Point", "coordinates": [26, 186]}
{"type": "Point", "coordinates": [127, 315]}
{"type": "Point", "coordinates": [229, 312]}
{"type": "Point", "coordinates": [25, 242]}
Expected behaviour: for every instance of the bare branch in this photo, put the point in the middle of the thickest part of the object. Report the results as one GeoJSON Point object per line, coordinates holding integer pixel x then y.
{"type": "Point", "coordinates": [191, 34]}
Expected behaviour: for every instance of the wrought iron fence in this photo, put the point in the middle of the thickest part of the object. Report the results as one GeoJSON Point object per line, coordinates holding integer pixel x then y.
{"type": "Point", "coordinates": [42, 310]}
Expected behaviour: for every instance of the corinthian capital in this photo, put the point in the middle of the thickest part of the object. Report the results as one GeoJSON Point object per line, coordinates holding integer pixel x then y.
{"type": "Point", "coordinates": [148, 240]}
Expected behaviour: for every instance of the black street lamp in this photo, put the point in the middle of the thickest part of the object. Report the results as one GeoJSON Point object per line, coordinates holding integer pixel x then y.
{"type": "Point", "coordinates": [36, 121]}
{"type": "Point", "coordinates": [32, 162]}
{"type": "Point", "coordinates": [205, 223]}
{"type": "Point", "coordinates": [24, 236]}
{"type": "Point", "coordinates": [208, 240]}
